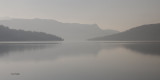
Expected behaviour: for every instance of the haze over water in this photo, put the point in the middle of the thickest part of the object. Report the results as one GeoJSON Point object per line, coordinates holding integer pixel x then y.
{"type": "Point", "coordinates": [80, 61]}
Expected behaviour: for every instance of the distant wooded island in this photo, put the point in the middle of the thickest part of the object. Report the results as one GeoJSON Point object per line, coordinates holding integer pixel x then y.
{"type": "Point", "coordinates": [7, 34]}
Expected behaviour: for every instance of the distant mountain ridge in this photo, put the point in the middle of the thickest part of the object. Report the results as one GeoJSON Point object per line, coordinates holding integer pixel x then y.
{"type": "Point", "coordinates": [7, 34]}
{"type": "Point", "coordinates": [150, 32]}
{"type": "Point", "coordinates": [68, 31]}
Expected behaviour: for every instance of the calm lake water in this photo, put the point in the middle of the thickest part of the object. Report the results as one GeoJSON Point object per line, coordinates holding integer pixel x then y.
{"type": "Point", "coordinates": [80, 61]}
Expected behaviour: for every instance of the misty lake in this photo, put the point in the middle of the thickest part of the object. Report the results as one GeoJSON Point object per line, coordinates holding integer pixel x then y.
{"type": "Point", "coordinates": [80, 61]}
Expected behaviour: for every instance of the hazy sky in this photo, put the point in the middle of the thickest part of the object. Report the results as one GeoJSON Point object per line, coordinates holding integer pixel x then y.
{"type": "Point", "coordinates": [108, 14]}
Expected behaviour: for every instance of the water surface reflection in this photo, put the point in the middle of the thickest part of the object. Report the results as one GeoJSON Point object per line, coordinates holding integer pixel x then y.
{"type": "Point", "coordinates": [144, 48]}
{"type": "Point", "coordinates": [79, 61]}
{"type": "Point", "coordinates": [10, 48]}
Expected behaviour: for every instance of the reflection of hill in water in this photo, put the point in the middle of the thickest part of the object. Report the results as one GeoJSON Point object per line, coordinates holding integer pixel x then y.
{"type": "Point", "coordinates": [54, 51]}
{"type": "Point", "coordinates": [10, 48]}
{"type": "Point", "coordinates": [82, 48]}
{"type": "Point", "coordinates": [145, 48]}
{"type": "Point", "coordinates": [51, 51]}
